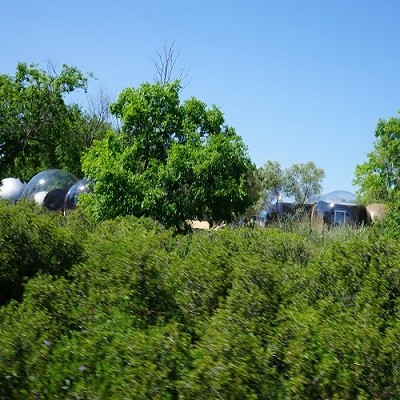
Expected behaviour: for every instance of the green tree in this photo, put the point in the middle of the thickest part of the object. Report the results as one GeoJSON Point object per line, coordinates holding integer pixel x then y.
{"type": "Point", "coordinates": [38, 129]}
{"type": "Point", "coordinates": [303, 180]}
{"type": "Point", "coordinates": [173, 161]}
{"type": "Point", "coordinates": [299, 181]}
{"type": "Point", "coordinates": [272, 181]}
{"type": "Point", "coordinates": [378, 177]}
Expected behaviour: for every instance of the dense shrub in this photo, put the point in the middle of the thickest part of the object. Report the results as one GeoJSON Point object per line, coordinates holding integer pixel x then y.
{"type": "Point", "coordinates": [33, 240]}
{"type": "Point", "coordinates": [230, 314]}
{"type": "Point", "coordinates": [333, 339]}
{"type": "Point", "coordinates": [390, 225]}
{"type": "Point", "coordinates": [106, 331]}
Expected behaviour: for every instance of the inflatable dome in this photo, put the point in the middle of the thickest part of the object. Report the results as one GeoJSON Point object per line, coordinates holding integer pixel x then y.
{"type": "Point", "coordinates": [340, 208]}
{"type": "Point", "coordinates": [11, 189]}
{"type": "Point", "coordinates": [71, 198]}
{"type": "Point", "coordinates": [339, 197]}
{"type": "Point", "coordinates": [48, 186]}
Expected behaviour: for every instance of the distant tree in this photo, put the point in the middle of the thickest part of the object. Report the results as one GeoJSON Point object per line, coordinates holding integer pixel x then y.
{"type": "Point", "coordinates": [303, 180]}
{"type": "Point", "coordinates": [272, 182]}
{"type": "Point", "coordinates": [299, 181]}
{"type": "Point", "coordinates": [173, 161]}
{"type": "Point", "coordinates": [38, 129]}
{"type": "Point", "coordinates": [378, 177]}
{"type": "Point", "coordinates": [96, 117]}
{"type": "Point", "coordinates": [255, 190]}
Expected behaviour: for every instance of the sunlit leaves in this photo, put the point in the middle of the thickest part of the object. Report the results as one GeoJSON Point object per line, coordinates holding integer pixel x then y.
{"type": "Point", "coordinates": [173, 162]}
{"type": "Point", "coordinates": [378, 177]}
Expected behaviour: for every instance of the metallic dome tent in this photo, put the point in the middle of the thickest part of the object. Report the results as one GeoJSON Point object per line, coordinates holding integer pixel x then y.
{"type": "Point", "coordinates": [71, 197]}
{"type": "Point", "coordinates": [340, 208]}
{"type": "Point", "coordinates": [49, 188]}
{"type": "Point", "coordinates": [11, 189]}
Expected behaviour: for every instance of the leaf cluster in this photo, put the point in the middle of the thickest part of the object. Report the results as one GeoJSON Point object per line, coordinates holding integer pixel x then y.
{"type": "Point", "coordinates": [38, 129]}
{"type": "Point", "coordinates": [32, 241]}
{"type": "Point", "coordinates": [378, 176]}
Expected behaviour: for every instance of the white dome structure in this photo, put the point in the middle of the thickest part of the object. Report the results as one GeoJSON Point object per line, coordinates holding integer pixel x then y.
{"type": "Point", "coordinates": [11, 189]}
{"type": "Point", "coordinates": [39, 197]}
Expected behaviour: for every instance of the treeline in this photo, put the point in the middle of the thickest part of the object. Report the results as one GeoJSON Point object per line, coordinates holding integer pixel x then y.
{"type": "Point", "coordinates": [125, 309]}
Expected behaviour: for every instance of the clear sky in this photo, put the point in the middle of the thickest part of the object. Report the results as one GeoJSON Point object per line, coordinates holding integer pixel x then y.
{"type": "Point", "coordinates": [299, 80]}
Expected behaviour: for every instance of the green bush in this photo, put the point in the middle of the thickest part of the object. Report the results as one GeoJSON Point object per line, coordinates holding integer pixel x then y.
{"type": "Point", "coordinates": [231, 314]}
{"type": "Point", "coordinates": [332, 340]}
{"type": "Point", "coordinates": [106, 330]}
{"type": "Point", "coordinates": [33, 240]}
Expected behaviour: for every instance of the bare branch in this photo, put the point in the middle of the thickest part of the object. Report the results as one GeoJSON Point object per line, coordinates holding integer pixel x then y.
{"type": "Point", "coordinates": [98, 111]}
{"type": "Point", "coordinates": [99, 106]}
{"type": "Point", "coordinates": [165, 66]}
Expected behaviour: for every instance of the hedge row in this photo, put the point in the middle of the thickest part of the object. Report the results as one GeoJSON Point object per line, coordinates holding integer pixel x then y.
{"type": "Point", "coordinates": [128, 310]}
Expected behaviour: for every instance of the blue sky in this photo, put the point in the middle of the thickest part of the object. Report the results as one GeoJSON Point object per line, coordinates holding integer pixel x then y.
{"type": "Point", "coordinates": [299, 80]}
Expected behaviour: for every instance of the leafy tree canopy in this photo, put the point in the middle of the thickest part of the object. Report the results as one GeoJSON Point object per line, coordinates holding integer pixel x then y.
{"type": "Point", "coordinates": [378, 177]}
{"type": "Point", "coordinates": [173, 161]}
{"type": "Point", "coordinates": [303, 180]}
{"type": "Point", "coordinates": [38, 129]}
{"type": "Point", "coordinates": [299, 182]}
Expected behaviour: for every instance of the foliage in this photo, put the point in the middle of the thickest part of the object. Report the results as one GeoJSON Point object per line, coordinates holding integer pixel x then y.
{"type": "Point", "coordinates": [390, 225]}
{"type": "Point", "coordinates": [299, 182]}
{"type": "Point", "coordinates": [32, 240]}
{"type": "Point", "coordinates": [304, 180]}
{"type": "Point", "coordinates": [38, 129]}
{"type": "Point", "coordinates": [378, 177]}
{"type": "Point", "coordinates": [210, 180]}
{"type": "Point", "coordinates": [105, 332]}
{"type": "Point", "coordinates": [334, 336]}
{"type": "Point", "coordinates": [272, 182]}
{"type": "Point", "coordinates": [232, 314]}
{"type": "Point", "coordinates": [173, 162]}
